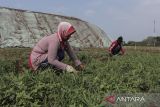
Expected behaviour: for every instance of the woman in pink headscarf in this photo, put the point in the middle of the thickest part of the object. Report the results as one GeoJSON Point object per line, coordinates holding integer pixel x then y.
{"type": "Point", "coordinates": [50, 50]}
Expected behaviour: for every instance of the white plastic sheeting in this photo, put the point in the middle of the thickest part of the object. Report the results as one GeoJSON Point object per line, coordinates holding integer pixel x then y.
{"type": "Point", "coordinates": [23, 28]}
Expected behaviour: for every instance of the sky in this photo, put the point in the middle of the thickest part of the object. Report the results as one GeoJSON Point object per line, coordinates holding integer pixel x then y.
{"type": "Point", "coordinates": [132, 19]}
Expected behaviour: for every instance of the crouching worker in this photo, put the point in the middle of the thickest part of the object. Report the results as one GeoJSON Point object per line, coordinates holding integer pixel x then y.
{"type": "Point", "coordinates": [49, 51]}
{"type": "Point", "coordinates": [116, 47]}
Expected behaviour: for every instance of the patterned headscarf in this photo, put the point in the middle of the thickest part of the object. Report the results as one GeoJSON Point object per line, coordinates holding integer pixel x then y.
{"type": "Point", "coordinates": [65, 29]}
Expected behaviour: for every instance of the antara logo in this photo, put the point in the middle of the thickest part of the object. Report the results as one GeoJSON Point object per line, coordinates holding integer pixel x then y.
{"type": "Point", "coordinates": [130, 99]}
{"type": "Point", "coordinates": [111, 99]}
{"type": "Point", "coordinates": [114, 99]}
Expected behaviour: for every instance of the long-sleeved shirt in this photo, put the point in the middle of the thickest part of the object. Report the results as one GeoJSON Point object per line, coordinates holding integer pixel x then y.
{"type": "Point", "coordinates": [47, 47]}
{"type": "Point", "coordinates": [117, 46]}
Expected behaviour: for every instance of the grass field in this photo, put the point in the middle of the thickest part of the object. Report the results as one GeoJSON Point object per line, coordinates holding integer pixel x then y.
{"type": "Point", "coordinates": [138, 71]}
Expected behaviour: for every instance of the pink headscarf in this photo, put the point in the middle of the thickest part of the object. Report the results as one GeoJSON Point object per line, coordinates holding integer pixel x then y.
{"type": "Point", "coordinates": [64, 29]}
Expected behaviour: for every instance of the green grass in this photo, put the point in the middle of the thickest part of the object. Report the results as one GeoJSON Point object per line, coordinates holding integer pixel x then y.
{"type": "Point", "coordinates": [136, 72]}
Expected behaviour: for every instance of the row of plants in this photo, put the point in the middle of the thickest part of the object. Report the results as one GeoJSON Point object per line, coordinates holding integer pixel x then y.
{"type": "Point", "coordinates": [135, 72]}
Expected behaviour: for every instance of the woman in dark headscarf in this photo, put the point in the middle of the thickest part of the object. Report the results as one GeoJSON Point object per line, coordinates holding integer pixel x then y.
{"type": "Point", "coordinates": [116, 47]}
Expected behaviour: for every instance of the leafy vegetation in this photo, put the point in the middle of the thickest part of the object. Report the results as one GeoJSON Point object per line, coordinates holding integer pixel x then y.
{"type": "Point", "coordinates": [136, 72]}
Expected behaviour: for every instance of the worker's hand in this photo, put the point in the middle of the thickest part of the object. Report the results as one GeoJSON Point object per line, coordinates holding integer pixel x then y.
{"type": "Point", "coordinates": [80, 67]}
{"type": "Point", "coordinates": [121, 53]}
{"type": "Point", "coordinates": [70, 69]}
